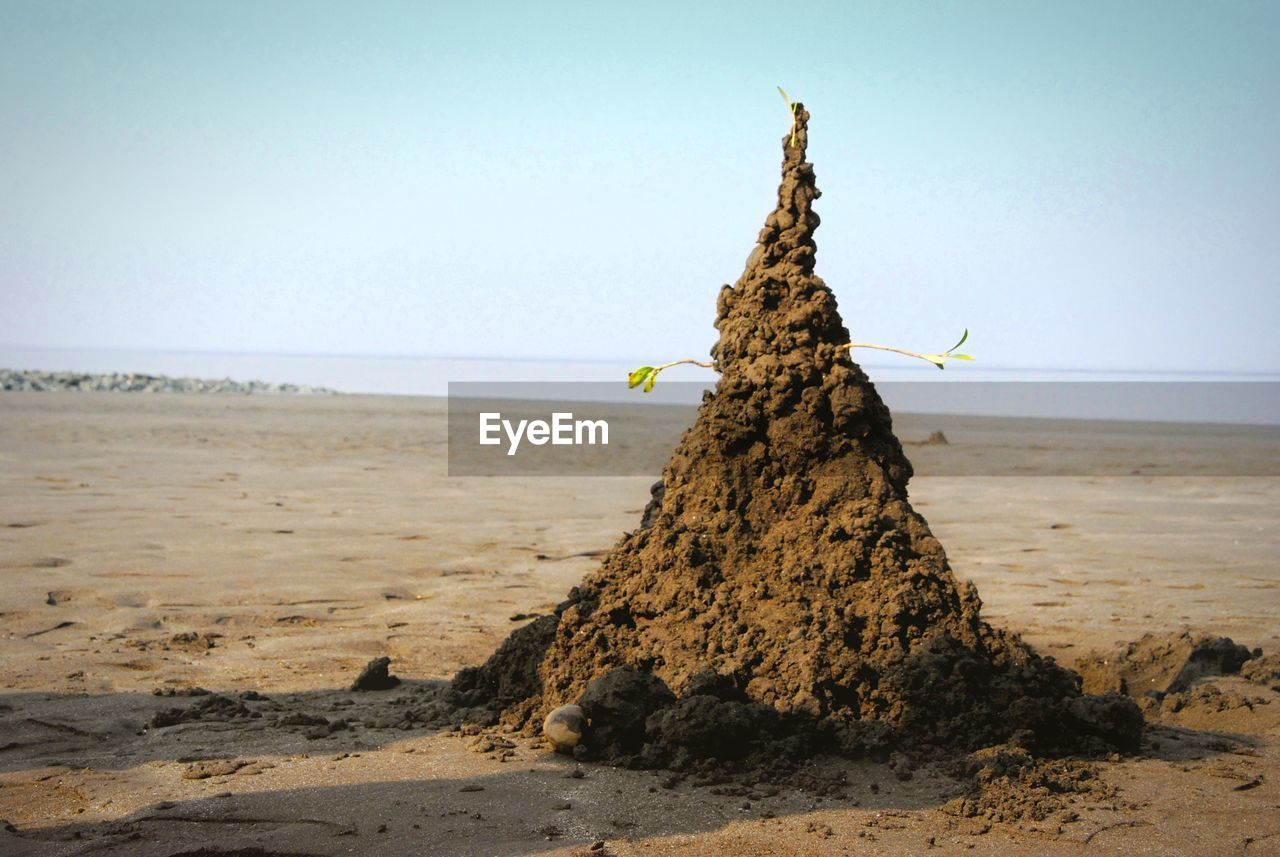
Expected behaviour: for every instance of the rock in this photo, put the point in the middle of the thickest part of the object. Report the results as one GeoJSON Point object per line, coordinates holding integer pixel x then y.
{"type": "Point", "coordinates": [564, 727]}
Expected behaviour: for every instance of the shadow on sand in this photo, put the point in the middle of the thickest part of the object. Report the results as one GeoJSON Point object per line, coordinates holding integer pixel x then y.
{"type": "Point", "coordinates": [382, 782]}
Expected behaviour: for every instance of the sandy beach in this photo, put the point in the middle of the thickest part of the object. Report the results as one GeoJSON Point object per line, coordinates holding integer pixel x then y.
{"type": "Point", "coordinates": [265, 548]}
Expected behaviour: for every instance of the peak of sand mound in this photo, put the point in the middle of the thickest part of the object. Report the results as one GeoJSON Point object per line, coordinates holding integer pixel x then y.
{"type": "Point", "coordinates": [781, 595]}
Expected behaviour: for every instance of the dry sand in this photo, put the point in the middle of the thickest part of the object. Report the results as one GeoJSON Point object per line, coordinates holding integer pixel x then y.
{"type": "Point", "coordinates": [277, 544]}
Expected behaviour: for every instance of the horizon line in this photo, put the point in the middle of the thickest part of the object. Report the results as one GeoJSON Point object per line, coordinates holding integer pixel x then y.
{"type": "Point", "coordinates": [517, 359]}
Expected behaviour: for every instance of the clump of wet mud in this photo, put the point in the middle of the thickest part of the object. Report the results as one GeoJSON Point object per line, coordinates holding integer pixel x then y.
{"type": "Point", "coordinates": [781, 597]}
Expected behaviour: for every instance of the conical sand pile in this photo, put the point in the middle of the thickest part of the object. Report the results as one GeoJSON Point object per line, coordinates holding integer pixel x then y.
{"type": "Point", "coordinates": [781, 588]}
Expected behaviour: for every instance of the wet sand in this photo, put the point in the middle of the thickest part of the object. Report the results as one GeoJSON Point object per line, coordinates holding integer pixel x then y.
{"type": "Point", "coordinates": [275, 545]}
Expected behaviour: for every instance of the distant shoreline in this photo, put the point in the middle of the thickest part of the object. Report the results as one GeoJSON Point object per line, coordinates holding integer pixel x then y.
{"type": "Point", "coordinates": [30, 380]}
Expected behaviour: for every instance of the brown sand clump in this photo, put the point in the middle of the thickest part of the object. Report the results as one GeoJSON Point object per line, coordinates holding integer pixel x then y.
{"type": "Point", "coordinates": [1169, 675]}
{"type": "Point", "coordinates": [1008, 784]}
{"type": "Point", "coordinates": [781, 596]}
{"type": "Point", "coordinates": [1159, 664]}
{"type": "Point", "coordinates": [1263, 670]}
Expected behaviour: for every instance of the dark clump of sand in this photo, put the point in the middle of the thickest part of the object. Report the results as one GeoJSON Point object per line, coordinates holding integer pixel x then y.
{"type": "Point", "coordinates": [213, 706]}
{"type": "Point", "coordinates": [781, 597]}
{"type": "Point", "coordinates": [376, 675]}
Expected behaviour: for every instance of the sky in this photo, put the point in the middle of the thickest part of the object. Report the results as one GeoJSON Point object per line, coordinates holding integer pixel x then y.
{"type": "Point", "coordinates": [1082, 185]}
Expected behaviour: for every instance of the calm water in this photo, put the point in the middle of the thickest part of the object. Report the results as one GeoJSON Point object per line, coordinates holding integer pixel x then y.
{"type": "Point", "coordinates": [1211, 398]}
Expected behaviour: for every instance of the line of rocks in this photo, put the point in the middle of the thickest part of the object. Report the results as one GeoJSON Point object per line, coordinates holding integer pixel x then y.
{"type": "Point", "coordinates": [25, 380]}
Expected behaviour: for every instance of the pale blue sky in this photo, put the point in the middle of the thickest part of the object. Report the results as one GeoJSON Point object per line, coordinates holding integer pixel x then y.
{"type": "Point", "coordinates": [1087, 185]}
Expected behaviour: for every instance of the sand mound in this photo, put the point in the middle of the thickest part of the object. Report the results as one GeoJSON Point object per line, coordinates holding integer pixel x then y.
{"type": "Point", "coordinates": [781, 596]}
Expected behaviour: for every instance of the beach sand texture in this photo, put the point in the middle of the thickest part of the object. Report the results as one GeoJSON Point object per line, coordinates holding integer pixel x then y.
{"type": "Point", "coordinates": [276, 545]}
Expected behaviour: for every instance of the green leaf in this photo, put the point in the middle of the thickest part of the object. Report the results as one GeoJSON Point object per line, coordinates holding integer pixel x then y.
{"type": "Point", "coordinates": [653, 379]}
{"type": "Point", "coordinates": [960, 356]}
{"type": "Point", "coordinates": [638, 377]}
{"type": "Point", "coordinates": [961, 342]}
{"type": "Point", "coordinates": [935, 359]}
{"type": "Point", "coordinates": [785, 98]}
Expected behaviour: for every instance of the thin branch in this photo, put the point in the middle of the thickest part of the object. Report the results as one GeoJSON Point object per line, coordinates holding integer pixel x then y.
{"type": "Point", "coordinates": [917, 355]}
{"type": "Point", "coordinates": [679, 362]}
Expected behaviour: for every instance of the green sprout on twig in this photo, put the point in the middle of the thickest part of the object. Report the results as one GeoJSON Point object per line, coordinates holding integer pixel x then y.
{"type": "Point", "coordinates": [648, 375]}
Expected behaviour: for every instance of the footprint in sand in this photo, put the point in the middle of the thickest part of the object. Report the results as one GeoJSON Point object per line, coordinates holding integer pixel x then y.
{"type": "Point", "coordinates": [57, 597]}
{"type": "Point", "coordinates": [49, 562]}
{"type": "Point", "coordinates": [127, 599]}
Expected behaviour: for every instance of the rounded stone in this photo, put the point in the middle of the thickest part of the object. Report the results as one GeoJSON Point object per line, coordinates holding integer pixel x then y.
{"type": "Point", "coordinates": [564, 727]}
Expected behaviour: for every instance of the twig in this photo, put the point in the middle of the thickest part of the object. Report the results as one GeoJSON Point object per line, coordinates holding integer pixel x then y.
{"type": "Point", "coordinates": [849, 345]}
{"type": "Point", "coordinates": [679, 362]}
{"type": "Point", "coordinates": [938, 360]}
{"type": "Point", "coordinates": [791, 106]}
